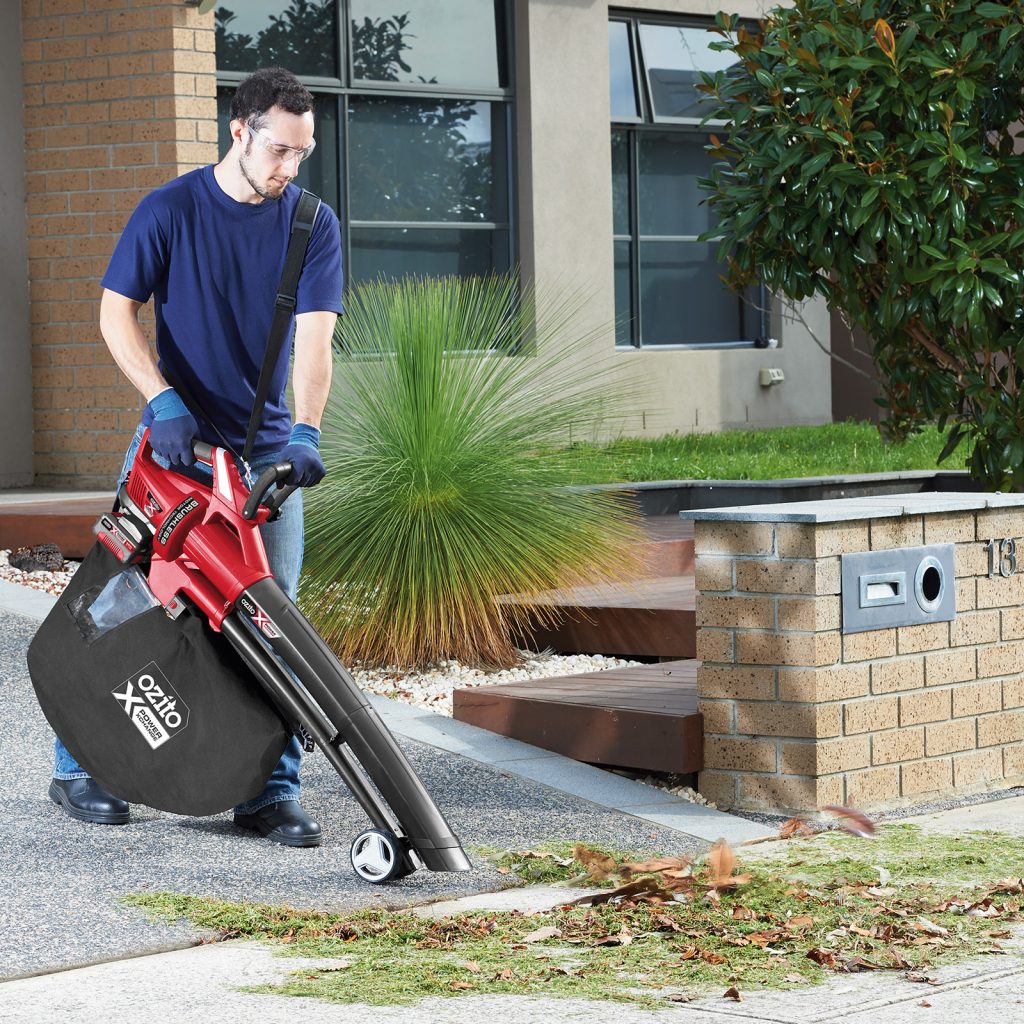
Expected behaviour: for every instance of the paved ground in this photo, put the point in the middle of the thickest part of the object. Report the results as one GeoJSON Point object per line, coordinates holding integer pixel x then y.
{"type": "Point", "coordinates": [61, 910]}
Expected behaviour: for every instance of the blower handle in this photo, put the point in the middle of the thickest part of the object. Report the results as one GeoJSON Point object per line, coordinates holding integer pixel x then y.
{"type": "Point", "coordinates": [203, 451]}
{"type": "Point", "coordinates": [270, 476]}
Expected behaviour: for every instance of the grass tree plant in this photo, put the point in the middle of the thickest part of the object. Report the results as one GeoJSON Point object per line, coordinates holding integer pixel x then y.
{"type": "Point", "coordinates": [446, 442]}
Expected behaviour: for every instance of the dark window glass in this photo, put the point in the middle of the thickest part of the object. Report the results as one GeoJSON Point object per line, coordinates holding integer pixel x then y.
{"type": "Point", "coordinates": [423, 160]}
{"type": "Point", "coordinates": [454, 43]}
{"type": "Point", "coordinates": [674, 56]}
{"type": "Point", "coordinates": [623, 295]}
{"type": "Point", "coordinates": [620, 183]}
{"type": "Point", "coordinates": [670, 201]}
{"type": "Point", "coordinates": [301, 36]}
{"type": "Point", "coordinates": [320, 172]}
{"type": "Point", "coordinates": [683, 301]}
{"type": "Point", "coordinates": [620, 65]}
{"type": "Point", "coordinates": [395, 252]}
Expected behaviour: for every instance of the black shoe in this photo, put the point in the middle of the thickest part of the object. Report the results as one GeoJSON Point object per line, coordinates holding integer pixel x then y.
{"type": "Point", "coordinates": [86, 800]}
{"type": "Point", "coordinates": [285, 822]}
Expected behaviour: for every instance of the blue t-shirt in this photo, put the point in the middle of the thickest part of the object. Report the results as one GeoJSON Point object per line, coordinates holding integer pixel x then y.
{"type": "Point", "coordinates": [212, 266]}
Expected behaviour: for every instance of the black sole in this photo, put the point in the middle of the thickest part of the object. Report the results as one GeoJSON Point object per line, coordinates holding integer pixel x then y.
{"type": "Point", "coordinates": [251, 823]}
{"type": "Point", "coordinates": [60, 798]}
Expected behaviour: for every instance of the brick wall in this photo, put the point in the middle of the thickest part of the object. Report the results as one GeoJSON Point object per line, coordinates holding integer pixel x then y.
{"type": "Point", "coordinates": [798, 714]}
{"type": "Point", "coordinates": [120, 97]}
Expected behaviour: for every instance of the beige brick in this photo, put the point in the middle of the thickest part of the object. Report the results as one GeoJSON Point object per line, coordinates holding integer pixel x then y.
{"type": "Point", "coordinates": [871, 715]}
{"type": "Point", "coordinates": [1012, 624]}
{"type": "Point", "coordinates": [1002, 591]}
{"type": "Point", "coordinates": [781, 577]}
{"type": "Point", "coordinates": [717, 715]}
{"type": "Point", "coordinates": [715, 644]}
{"type": "Point", "coordinates": [978, 767]}
{"type": "Point", "coordinates": [896, 532]}
{"type": "Point", "coordinates": [796, 540]}
{"type": "Point", "coordinates": [875, 643]}
{"type": "Point", "coordinates": [825, 757]}
{"type": "Point", "coordinates": [1013, 762]}
{"type": "Point", "coordinates": [873, 787]}
{"type": "Point", "coordinates": [789, 794]}
{"type": "Point", "coordinates": [970, 560]}
{"type": "Point", "coordinates": [760, 648]}
{"type": "Point", "coordinates": [935, 776]}
{"type": "Point", "coordinates": [955, 666]}
{"type": "Point", "coordinates": [930, 636]}
{"type": "Point", "coordinates": [1013, 693]}
{"type": "Point", "coordinates": [1003, 727]}
{"type": "Point", "coordinates": [897, 745]}
{"type": "Point", "coordinates": [901, 674]}
{"type": "Point", "coordinates": [817, 685]}
{"type": "Point", "coordinates": [713, 537]}
{"type": "Point", "coordinates": [814, 614]}
{"type": "Point", "coordinates": [736, 683]}
{"type": "Point", "coordinates": [712, 573]}
{"type": "Point", "coordinates": [977, 699]}
{"type": "Point", "coordinates": [995, 524]}
{"type": "Point", "coordinates": [804, 540]}
{"type": "Point", "coordinates": [950, 737]}
{"type": "Point", "coordinates": [828, 576]}
{"type": "Point", "coordinates": [740, 755]}
{"type": "Point", "coordinates": [949, 528]}
{"type": "Point", "coordinates": [1003, 659]}
{"type": "Point", "coordinates": [800, 720]}
{"type": "Point", "coordinates": [718, 787]}
{"type": "Point", "coordinates": [966, 595]}
{"type": "Point", "coordinates": [974, 628]}
{"type": "Point", "coordinates": [755, 612]}
{"type": "Point", "coordinates": [929, 706]}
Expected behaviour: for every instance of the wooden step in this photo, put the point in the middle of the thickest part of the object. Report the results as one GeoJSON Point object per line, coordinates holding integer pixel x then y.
{"type": "Point", "coordinates": [644, 718]}
{"type": "Point", "coordinates": [66, 522]}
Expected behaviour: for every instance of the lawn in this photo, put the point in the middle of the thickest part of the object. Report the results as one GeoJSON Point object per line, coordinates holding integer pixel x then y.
{"type": "Point", "coordinates": [828, 450]}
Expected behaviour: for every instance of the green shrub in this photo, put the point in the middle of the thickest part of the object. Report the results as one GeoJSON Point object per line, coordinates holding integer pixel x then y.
{"type": "Point", "coordinates": [446, 447]}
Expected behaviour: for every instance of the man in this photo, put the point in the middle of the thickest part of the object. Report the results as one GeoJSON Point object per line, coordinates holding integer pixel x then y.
{"type": "Point", "coordinates": [209, 248]}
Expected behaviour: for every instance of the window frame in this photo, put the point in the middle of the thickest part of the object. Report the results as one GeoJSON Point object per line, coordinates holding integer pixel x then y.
{"type": "Point", "coordinates": [633, 129]}
{"type": "Point", "coordinates": [346, 86]}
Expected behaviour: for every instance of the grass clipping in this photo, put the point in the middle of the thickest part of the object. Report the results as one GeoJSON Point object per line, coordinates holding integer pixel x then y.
{"type": "Point", "coordinates": [662, 929]}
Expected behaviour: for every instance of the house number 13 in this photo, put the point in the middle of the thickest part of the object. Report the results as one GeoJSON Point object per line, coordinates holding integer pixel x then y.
{"type": "Point", "coordinates": [1002, 556]}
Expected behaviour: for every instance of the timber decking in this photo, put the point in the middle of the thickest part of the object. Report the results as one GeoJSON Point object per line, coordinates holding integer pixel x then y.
{"type": "Point", "coordinates": [644, 717]}
{"type": "Point", "coordinates": [66, 522]}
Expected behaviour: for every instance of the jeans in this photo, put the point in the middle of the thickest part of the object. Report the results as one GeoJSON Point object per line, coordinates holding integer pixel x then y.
{"type": "Point", "coordinates": [283, 540]}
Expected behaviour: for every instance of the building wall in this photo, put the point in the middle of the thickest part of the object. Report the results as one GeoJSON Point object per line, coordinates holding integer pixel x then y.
{"type": "Point", "coordinates": [120, 97]}
{"type": "Point", "coordinates": [564, 169]}
{"type": "Point", "coordinates": [16, 379]}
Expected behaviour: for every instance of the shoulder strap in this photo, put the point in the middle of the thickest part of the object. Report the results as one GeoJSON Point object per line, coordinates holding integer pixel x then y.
{"type": "Point", "coordinates": [302, 227]}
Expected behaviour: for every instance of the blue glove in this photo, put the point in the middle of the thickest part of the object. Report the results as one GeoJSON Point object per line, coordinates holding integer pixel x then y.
{"type": "Point", "coordinates": [173, 428]}
{"type": "Point", "coordinates": [303, 452]}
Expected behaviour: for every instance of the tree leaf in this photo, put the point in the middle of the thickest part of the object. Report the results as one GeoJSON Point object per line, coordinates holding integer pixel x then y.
{"type": "Point", "coordinates": [854, 821]}
{"type": "Point", "coordinates": [885, 38]}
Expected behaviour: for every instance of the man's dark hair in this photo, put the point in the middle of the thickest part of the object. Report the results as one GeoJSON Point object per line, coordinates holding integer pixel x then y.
{"type": "Point", "coordinates": [266, 88]}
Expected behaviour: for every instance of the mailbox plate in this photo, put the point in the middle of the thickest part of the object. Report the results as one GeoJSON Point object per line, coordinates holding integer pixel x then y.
{"type": "Point", "coordinates": [865, 573]}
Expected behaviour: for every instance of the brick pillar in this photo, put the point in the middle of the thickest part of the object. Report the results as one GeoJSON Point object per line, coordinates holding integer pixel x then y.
{"type": "Point", "coordinates": [120, 96]}
{"type": "Point", "coordinates": [798, 714]}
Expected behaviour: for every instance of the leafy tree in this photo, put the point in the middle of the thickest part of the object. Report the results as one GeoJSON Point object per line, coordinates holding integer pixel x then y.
{"type": "Point", "coordinates": [300, 38]}
{"type": "Point", "coordinates": [872, 161]}
{"type": "Point", "coordinates": [445, 441]}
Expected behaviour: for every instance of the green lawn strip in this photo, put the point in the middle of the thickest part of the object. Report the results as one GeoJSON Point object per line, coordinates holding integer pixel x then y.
{"type": "Point", "coordinates": [809, 909]}
{"type": "Point", "coordinates": [827, 450]}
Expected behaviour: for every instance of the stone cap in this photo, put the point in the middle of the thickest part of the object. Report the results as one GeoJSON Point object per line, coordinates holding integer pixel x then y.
{"type": "Point", "coordinates": [837, 510]}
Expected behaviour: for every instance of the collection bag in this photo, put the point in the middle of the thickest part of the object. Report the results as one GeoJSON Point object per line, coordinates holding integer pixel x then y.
{"type": "Point", "coordinates": [160, 712]}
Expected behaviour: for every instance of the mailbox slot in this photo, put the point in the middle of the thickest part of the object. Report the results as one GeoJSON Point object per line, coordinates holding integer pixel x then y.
{"type": "Point", "coordinates": [883, 588]}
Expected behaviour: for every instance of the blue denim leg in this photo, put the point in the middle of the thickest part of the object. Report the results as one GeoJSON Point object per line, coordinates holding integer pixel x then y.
{"type": "Point", "coordinates": [64, 765]}
{"type": "Point", "coordinates": [283, 540]}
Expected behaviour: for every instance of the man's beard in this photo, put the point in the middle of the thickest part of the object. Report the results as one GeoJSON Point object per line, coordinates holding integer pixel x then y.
{"type": "Point", "coordinates": [261, 190]}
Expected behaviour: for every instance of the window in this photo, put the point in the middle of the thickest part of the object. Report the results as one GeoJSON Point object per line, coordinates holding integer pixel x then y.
{"type": "Point", "coordinates": [668, 287]}
{"type": "Point", "coordinates": [413, 122]}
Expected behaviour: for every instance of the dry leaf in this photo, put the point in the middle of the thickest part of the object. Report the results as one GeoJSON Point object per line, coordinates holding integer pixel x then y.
{"type": "Point", "coordinates": [720, 861]}
{"type": "Point", "coordinates": [598, 864]}
{"type": "Point", "coordinates": [733, 993]}
{"type": "Point", "coordinates": [794, 979]}
{"type": "Point", "coordinates": [743, 914]}
{"type": "Point", "coordinates": [854, 821]}
{"type": "Point", "coordinates": [472, 966]}
{"type": "Point", "coordinates": [924, 925]}
{"type": "Point", "coordinates": [800, 922]}
{"type": "Point", "coordinates": [674, 865]}
{"type": "Point", "coordinates": [794, 827]}
{"type": "Point", "coordinates": [924, 1002]}
{"type": "Point", "coordinates": [624, 938]}
{"type": "Point", "coordinates": [461, 985]}
{"type": "Point", "coordinates": [543, 933]}
{"type": "Point", "coordinates": [823, 957]}
{"type": "Point", "coordinates": [646, 889]}
{"type": "Point", "coordinates": [505, 975]}
{"type": "Point", "coordinates": [681, 997]}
